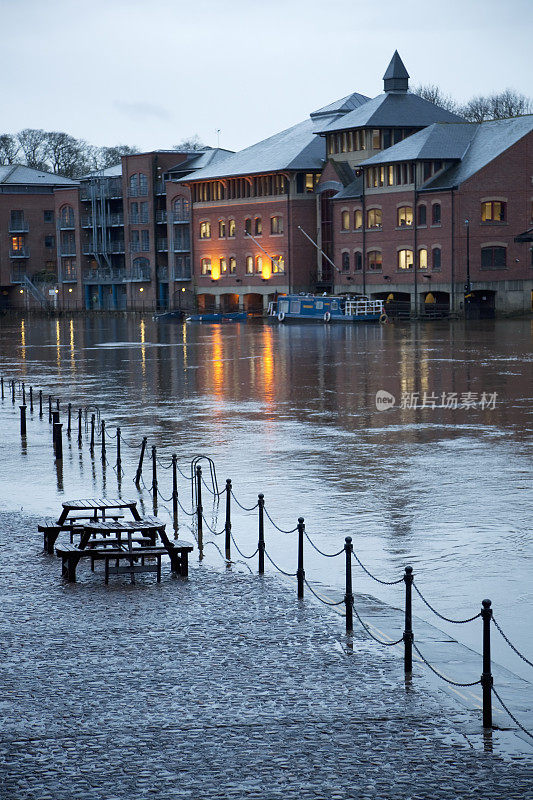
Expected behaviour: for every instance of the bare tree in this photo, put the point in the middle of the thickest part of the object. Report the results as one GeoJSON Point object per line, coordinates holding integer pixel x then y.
{"type": "Point", "coordinates": [33, 144]}
{"type": "Point", "coordinates": [502, 105]}
{"type": "Point", "coordinates": [9, 148]}
{"type": "Point", "coordinates": [191, 143]}
{"type": "Point", "coordinates": [434, 94]}
{"type": "Point", "coordinates": [65, 154]}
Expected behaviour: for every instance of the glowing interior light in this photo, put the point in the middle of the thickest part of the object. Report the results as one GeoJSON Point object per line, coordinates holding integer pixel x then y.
{"type": "Point", "coordinates": [266, 270]}
{"type": "Point", "coordinates": [215, 272]}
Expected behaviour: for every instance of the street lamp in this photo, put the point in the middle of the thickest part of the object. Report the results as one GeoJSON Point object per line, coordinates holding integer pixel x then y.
{"type": "Point", "coordinates": [468, 285]}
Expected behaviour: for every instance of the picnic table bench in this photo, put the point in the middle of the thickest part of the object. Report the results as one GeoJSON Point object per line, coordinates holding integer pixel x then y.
{"type": "Point", "coordinates": [76, 513]}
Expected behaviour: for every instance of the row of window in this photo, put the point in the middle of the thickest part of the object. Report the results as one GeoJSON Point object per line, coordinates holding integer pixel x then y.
{"type": "Point", "coordinates": [251, 227]}
{"type": "Point", "coordinates": [404, 217]}
{"type": "Point", "coordinates": [259, 186]}
{"type": "Point", "coordinates": [257, 265]}
{"type": "Point", "coordinates": [375, 139]}
{"type": "Point", "coordinates": [401, 174]}
{"type": "Point", "coordinates": [138, 185]}
{"type": "Point", "coordinates": [493, 257]}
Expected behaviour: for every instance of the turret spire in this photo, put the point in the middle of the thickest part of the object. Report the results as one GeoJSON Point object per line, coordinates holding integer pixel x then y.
{"type": "Point", "coordinates": [396, 78]}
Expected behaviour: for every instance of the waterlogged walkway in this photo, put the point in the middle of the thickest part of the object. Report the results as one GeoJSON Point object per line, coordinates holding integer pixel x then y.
{"type": "Point", "coordinates": [222, 686]}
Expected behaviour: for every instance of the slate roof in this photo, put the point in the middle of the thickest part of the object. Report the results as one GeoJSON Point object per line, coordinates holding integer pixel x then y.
{"type": "Point", "coordinates": [392, 110]}
{"type": "Point", "coordinates": [442, 140]}
{"type": "Point", "coordinates": [19, 175]}
{"type": "Point", "coordinates": [354, 189]}
{"type": "Point", "coordinates": [342, 106]}
{"type": "Point", "coordinates": [198, 159]}
{"type": "Point", "coordinates": [396, 69]}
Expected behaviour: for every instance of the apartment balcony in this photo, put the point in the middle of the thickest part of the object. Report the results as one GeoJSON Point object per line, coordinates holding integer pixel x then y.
{"type": "Point", "coordinates": [135, 247]}
{"type": "Point", "coordinates": [162, 273]}
{"type": "Point", "coordinates": [181, 245]}
{"type": "Point", "coordinates": [114, 220]}
{"type": "Point", "coordinates": [160, 187]}
{"type": "Point", "coordinates": [183, 272]}
{"type": "Point", "coordinates": [139, 219]}
{"type": "Point", "coordinates": [69, 276]}
{"type": "Point", "coordinates": [19, 252]}
{"type": "Point", "coordinates": [86, 221]}
{"type": "Point", "coordinates": [116, 247]}
{"type": "Point", "coordinates": [111, 189]}
{"type": "Point", "coordinates": [161, 217]}
{"type": "Point", "coordinates": [66, 225]}
{"type": "Point", "coordinates": [104, 275]}
{"type": "Point", "coordinates": [162, 245]}
{"type": "Point", "coordinates": [67, 249]}
{"type": "Point", "coordinates": [141, 191]}
{"type": "Point", "coordinates": [18, 275]}
{"type": "Point", "coordinates": [19, 226]}
{"type": "Point", "coordinates": [89, 249]}
{"type": "Point", "coordinates": [139, 274]}
{"type": "Point", "coordinates": [180, 217]}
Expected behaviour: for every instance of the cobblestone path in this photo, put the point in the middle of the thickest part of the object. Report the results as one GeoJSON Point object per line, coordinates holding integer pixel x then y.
{"type": "Point", "coordinates": [222, 686]}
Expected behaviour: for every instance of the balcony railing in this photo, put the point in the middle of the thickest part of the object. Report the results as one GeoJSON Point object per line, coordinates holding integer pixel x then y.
{"type": "Point", "coordinates": [162, 245]}
{"type": "Point", "coordinates": [135, 247]}
{"type": "Point", "coordinates": [88, 247]}
{"type": "Point", "coordinates": [161, 216]}
{"type": "Point", "coordinates": [69, 275]}
{"type": "Point", "coordinates": [116, 219]}
{"type": "Point", "coordinates": [160, 187]}
{"type": "Point", "coordinates": [67, 249]}
{"type": "Point", "coordinates": [140, 191]}
{"type": "Point", "coordinates": [20, 252]}
{"type": "Point", "coordinates": [104, 275]}
{"type": "Point", "coordinates": [19, 226]}
{"type": "Point", "coordinates": [142, 218]}
{"type": "Point", "coordinates": [181, 245]}
{"type": "Point", "coordinates": [162, 273]}
{"type": "Point", "coordinates": [111, 220]}
{"type": "Point", "coordinates": [66, 225]}
{"type": "Point", "coordinates": [141, 274]}
{"type": "Point", "coordinates": [181, 216]}
{"type": "Point", "coordinates": [18, 275]}
{"type": "Point", "coordinates": [116, 247]}
{"type": "Point", "coordinates": [112, 188]}
{"type": "Point", "coordinates": [182, 270]}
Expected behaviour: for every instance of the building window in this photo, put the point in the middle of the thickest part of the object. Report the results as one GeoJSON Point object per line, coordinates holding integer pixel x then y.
{"type": "Point", "coordinates": [143, 184]}
{"type": "Point", "coordinates": [376, 140]}
{"type": "Point", "coordinates": [358, 219]}
{"type": "Point", "coordinates": [222, 229]}
{"type": "Point", "coordinates": [374, 260]}
{"type": "Point", "coordinates": [206, 266]}
{"type": "Point", "coordinates": [135, 241]}
{"type": "Point", "coordinates": [141, 269]}
{"type": "Point", "coordinates": [422, 258]}
{"type": "Point", "coordinates": [145, 241]}
{"type": "Point", "coordinates": [390, 175]}
{"type": "Point", "coordinates": [17, 244]}
{"type": "Point", "coordinates": [345, 262]}
{"type": "Point", "coordinates": [249, 265]}
{"type": "Point", "coordinates": [358, 261]}
{"type": "Point", "coordinates": [435, 214]}
{"type": "Point", "coordinates": [134, 213]}
{"type": "Point", "coordinates": [258, 226]}
{"type": "Point", "coordinates": [66, 217]}
{"type": "Point", "coordinates": [223, 266]}
{"type": "Point", "coordinates": [68, 269]}
{"type": "Point", "coordinates": [405, 259]}
{"type": "Point", "coordinates": [143, 211]}
{"type": "Point", "coordinates": [373, 218]}
{"type": "Point", "coordinates": [134, 185]}
{"type": "Point", "coordinates": [276, 225]}
{"type": "Point", "coordinates": [345, 221]}
{"type": "Point", "coordinates": [278, 264]}
{"type": "Point", "coordinates": [436, 253]}
{"type": "Point", "coordinates": [205, 230]}
{"type": "Point", "coordinates": [248, 226]}
{"type": "Point", "coordinates": [49, 241]}
{"type": "Point", "coordinates": [48, 216]}
{"type": "Point", "coordinates": [493, 257]}
{"type": "Point", "coordinates": [405, 216]}
{"type": "Point", "coordinates": [231, 228]}
{"type": "Point", "coordinates": [232, 265]}
{"type": "Point", "coordinates": [493, 211]}
{"type": "Point", "coordinates": [259, 264]}
{"type": "Point", "coordinates": [181, 209]}
{"type": "Point", "coordinates": [422, 215]}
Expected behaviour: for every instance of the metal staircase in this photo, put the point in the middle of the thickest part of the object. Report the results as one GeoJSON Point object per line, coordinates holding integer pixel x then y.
{"type": "Point", "coordinates": [36, 293]}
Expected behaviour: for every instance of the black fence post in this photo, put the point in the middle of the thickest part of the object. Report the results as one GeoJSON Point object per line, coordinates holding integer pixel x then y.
{"type": "Point", "coordinates": [57, 404]}
{"type": "Point", "coordinates": [55, 421]}
{"type": "Point", "coordinates": [300, 573]}
{"type": "Point", "coordinates": [119, 459]}
{"type": "Point", "coordinates": [175, 493]}
{"type": "Point", "coordinates": [408, 629]}
{"type": "Point", "coordinates": [261, 542]}
{"type": "Point", "coordinates": [91, 445]}
{"type": "Point", "coordinates": [59, 440]}
{"type": "Point", "coordinates": [486, 677]}
{"type": "Point", "coordinates": [199, 508]}
{"type": "Point", "coordinates": [50, 409]}
{"type": "Point", "coordinates": [103, 441]}
{"type": "Point", "coordinates": [13, 392]}
{"type": "Point", "coordinates": [227, 524]}
{"type": "Point", "coordinates": [69, 419]}
{"type": "Point", "coordinates": [140, 467]}
{"type": "Point", "coordinates": [23, 420]}
{"type": "Point", "coordinates": [40, 403]}
{"type": "Point", "coordinates": [2, 385]}
{"type": "Point", "coordinates": [154, 478]}
{"type": "Point", "coordinates": [23, 394]}
{"type": "Point", "coordinates": [80, 437]}
{"type": "Point", "coordinates": [348, 597]}
{"type": "Point", "coordinates": [31, 400]}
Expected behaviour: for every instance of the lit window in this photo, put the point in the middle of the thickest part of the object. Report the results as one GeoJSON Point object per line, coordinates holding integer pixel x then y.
{"type": "Point", "coordinates": [345, 262]}
{"type": "Point", "coordinates": [390, 175]}
{"type": "Point", "coordinates": [310, 181]}
{"type": "Point", "coordinates": [248, 226]}
{"type": "Point", "coordinates": [358, 218]}
{"type": "Point", "coordinates": [422, 258]}
{"type": "Point", "coordinates": [205, 230]}
{"type": "Point", "coordinates": [206, 266]}
{"type": "Point", "coordinates": [422, 215]}
{"type": "Point", "coordinates": [233, 265]}
{"type": "Point", "coordinates": [358, 261]}
{"type": "Point", "coordinates": [345, 221]}
{"type": "Point", "coordinates": [222, 229]}
{"type": "Point", "coordinates": [493, 257]}
{"type": "Point", "coordinates": [249, 265]}
{"type": "Point", "coordinates": [405, 216]}
{"type": "Point", "coordinates": [276, 225]}
{"type": "Point", "coordinates": [405, 259]}
{"type": "Point", "coordinates": [373, 218]}
{"type": "Point", "coordinates": [278, 264]}
{"type": "Point", "coordinates": [231, 227]}
{"type": "Point", "coordinates": [376, 140]}
{"type": "Point", "coordinates": [17, 243]}
{"type": "Point", "coordinates": [374, 260]}
{"type": "Point", "coordinates": [436, 253]}
{"type": "Point", "coordinates": [223, 266]}
{"type": "Point", "coordinates": [493, 211]}
{"type": "Point", "coordinates": [259, 264]}
{"type": "Point", "coordinates": [66, 217]}
{"type": "Point", "coordinates": [435, 214]}
{"type": "Point", "coordinates": [258, 226]}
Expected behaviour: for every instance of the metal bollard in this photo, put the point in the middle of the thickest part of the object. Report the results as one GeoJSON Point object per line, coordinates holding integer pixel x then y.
{"type": "Point", "coordinates": [103, 442]}
{"type": "Point", "coordinates": [40, 403]}
{"type": "Point", "coordinates": [175, 493]}
{"type": "Point", "coordinates": [55, 421]}
{"type": "Point", "coordinates": [57, 404]}
{"type": "Point", "coordinates": [154, 478]}
{"type": "Point", "coordinates": [13, 392]}
{"type": "Point", "coordinates": [348, 597]}
{"type": "Point", "coordinates": [80, 437]}
{"type": "Point", "coordinates": [119, 459]}
{"type": "Point", "coordinates": [23, 420]}
{"type": "Point", "coordinates": [69, 419]}
{"type": "Point", "coordinates": [140, 467]}
{"type": "Point", "coordinates": [23, 395]}
{"type": "Point", "coordinates": [300, 573]}
{"type": "Point", "coordinates": [2, 386]}
{"type": "Point", "coordinates": [408, 637]}
{"type": "Point", "coordinates": [199, 508]}
{"type": "Point", "coordinates": [31, 399]}
{"type": "Point", "coordinates": [59, 440]}
{"type": "Point", "coordinates": [50, 409]}
{"type": "Point", "coordinates": [261, 542]}
{"type": "Point", "coordinates": [227, 523]}
{"type": "Point", "coordinates": [486, 677]}
{"type": "Point", "coordinates": [91, 445]}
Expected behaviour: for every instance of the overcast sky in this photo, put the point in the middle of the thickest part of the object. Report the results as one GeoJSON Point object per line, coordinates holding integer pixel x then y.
{"type": "Point", "coordinates": [151, 72]}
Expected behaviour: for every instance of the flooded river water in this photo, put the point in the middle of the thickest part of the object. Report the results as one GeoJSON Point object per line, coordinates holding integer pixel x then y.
{"type": "Point", "coordinates": [439, 480]}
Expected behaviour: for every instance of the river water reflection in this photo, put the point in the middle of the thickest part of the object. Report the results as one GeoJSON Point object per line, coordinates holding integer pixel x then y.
{"type": "Point", "coordinates": [291, 411]}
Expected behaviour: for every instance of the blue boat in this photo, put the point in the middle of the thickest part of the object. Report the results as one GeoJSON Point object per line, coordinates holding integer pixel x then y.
{"type": "Point", "coordinates": [327, 308]}
{"type": "Point", "coordinates": [232, 316]}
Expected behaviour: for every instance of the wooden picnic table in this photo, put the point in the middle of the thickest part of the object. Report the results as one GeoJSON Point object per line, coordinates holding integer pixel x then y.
{"type": "Point", "coordinates": [76, 513]}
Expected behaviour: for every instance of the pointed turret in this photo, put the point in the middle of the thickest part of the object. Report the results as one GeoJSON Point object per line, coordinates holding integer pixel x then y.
{"type": "Point", "coordinates": [396, 78]}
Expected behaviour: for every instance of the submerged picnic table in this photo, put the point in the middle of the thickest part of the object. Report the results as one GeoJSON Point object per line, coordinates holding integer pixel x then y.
{"type": "Point", "coordinates": [77, 512]}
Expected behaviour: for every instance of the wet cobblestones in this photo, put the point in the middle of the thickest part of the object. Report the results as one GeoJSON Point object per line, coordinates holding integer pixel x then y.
{"type": "Point", "coordinates": [222, 686]}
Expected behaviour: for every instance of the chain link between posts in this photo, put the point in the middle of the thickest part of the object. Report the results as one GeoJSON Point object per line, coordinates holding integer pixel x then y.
{"type": "Point", "coordinates": [277, 526]}
{"type": "Point", "coordinates": [440, 675]}
{"type": "Point", "coordinates": [446, 619]}
{"type": "Point", "coordinates": [511, 645]}
{"type": "Point", "coordinates": [385, 583]}
{"type": "Point", "coordinates": [512, 715]}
